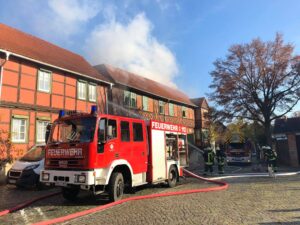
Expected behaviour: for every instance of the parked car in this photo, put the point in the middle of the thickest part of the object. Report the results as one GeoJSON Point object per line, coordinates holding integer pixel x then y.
{"type": "Point", "coordinates": [25, 172]}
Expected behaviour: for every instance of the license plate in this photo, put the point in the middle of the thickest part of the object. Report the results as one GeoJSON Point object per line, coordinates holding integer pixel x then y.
{"type": "Point", "coordinates": [237, 159]}
{"type": "Point", "coordinates": [11, 181]}
{"type": "Point", "coordinates": [61, 184]}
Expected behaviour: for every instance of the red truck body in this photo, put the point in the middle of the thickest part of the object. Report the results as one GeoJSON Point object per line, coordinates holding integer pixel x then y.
{"type": "Point", "coordinates": [94, 151]}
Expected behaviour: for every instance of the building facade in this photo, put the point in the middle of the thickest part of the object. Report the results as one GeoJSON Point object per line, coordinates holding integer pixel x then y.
{"type": "Point", "coordinates": [286, 138]}
{"type": "Point", "coordinates": [201, 122]}
{"type": "Point", "coordinates": [37, 80]}
{"type": "Point", "coordinates": [136, 96]}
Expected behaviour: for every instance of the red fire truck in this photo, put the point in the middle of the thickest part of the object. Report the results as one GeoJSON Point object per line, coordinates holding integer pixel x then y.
{"type": "Point", "coordinates": [107, 153]}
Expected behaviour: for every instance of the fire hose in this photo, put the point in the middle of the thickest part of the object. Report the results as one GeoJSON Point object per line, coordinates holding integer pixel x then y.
{"type": "Point", "coordinates": [223, 186]}
{"type": "Point", "coordinates": [25, 204]}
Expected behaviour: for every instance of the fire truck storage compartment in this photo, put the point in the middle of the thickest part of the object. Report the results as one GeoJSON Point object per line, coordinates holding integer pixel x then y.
{"type": "Point", "coordinates": [168, 147]}
{"type": "Point", "coordinates": [159, 166]}
{"type": "Point", "coordinates": [183, 156]}
{"type": "Point", "coordinates": [171, 146]}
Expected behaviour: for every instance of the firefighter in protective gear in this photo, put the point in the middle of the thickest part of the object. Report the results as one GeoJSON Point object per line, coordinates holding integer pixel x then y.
{"type": "Point", "coordinates": [270, 156]}
{"type": "Point", "coordinates": [209, 157]}
{"type": "Point", "coordinates": [220, 156]}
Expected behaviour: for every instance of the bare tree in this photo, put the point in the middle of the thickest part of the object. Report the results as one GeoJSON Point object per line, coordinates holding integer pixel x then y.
{"type": "Point", "coordinates": [258, 81]}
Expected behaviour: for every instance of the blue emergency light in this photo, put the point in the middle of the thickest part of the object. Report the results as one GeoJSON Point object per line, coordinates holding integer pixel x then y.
{"type": "Point", "coordinates": [93, 109]}
{"type": "Point", "coordinates": [61, 113]}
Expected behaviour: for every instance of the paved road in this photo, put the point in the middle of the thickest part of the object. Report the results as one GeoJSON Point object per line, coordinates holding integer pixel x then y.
{"type": "Point", "coordinates": [264, 201]}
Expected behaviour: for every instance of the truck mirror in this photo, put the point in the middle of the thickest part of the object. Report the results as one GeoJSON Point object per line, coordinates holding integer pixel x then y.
{"type": "Point", "coordinates": [47, 134]}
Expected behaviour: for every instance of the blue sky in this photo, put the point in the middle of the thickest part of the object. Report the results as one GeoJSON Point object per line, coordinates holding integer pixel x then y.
{"type": "Point", "coordinates": [171, 41]}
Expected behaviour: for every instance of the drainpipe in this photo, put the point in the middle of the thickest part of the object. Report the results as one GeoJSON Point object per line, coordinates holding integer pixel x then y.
{"type": "Point", "coordinates": [1, 70]}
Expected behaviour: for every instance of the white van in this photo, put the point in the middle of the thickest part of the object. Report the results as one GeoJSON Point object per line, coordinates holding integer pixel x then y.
{"type": "Point", "coordinates": [25, 172]}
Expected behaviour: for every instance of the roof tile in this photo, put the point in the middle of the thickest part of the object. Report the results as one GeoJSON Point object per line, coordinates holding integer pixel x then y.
{"type": "Point", "coordinates": [132, 80]}
{"type": "Point", "coordinates": [24, 44]}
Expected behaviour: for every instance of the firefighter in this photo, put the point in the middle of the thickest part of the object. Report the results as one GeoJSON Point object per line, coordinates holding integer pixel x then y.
{"type": "Point", "coordinates": [208, 156]}
{"type": "Point", "coordinates": [271, 157]}
{"type": "Point", "coordinates": [220, 156]}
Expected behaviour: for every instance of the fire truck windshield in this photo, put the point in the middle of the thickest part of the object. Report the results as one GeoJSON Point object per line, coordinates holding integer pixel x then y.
{"type": "Point", "coordinates": [74, 130]}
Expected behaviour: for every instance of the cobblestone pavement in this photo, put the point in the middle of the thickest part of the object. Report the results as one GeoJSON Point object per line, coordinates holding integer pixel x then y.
{"type": "Point", "coordinates": [57, 206]}
{"type": "Point", "coordinates": [264, 201]}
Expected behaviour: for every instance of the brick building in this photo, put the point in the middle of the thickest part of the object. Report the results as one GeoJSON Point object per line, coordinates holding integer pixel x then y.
{"type": "Point", "coordinates": [287, 140]}
{"type": "Point", "coordinates": [133, 95]}
{"type": "Point", "coordinates": [37, 80]}
{"type": "Point", "coordinates": [201, 122]}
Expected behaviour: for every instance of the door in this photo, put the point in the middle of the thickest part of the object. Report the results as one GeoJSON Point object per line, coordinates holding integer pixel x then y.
{"type": "Point", "coordinates": [139, 148]}
{"type": "Point", "coordinates": [108, 143]}
{"type": "Point", "coordinates": [159, 167]}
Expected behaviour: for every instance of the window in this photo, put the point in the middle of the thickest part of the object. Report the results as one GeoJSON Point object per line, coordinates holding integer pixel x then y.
{"type": "Point", "coordinates": [111, 129]}
{"type": "Point", "coordinates": [184, 112]}
{"type": "Point", "coordinates": [171, 109]}
{"type": "Point", "coordinates": [161, 107]}
{"type": "Point", "coordinates": [145, 103]}
{"type": "Point", "coordinates": [130, 99]}
{"type": "Point", "coordinates": [81, 90]}
{"type": "Point", "coordinates": [125, 132]}
{"type": "Point", "coordinates": [44, 81]}
{"type": "Point", "coordinates": [137, 132]}
{"type": "Point", "coordinates": [19, 130]}
{"type": "Point", "coordinates": [92, 93]}
{"type": "Point", "coordinates": [41, 126]}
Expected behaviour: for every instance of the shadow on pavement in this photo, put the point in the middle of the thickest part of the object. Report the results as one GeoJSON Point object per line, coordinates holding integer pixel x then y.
{"type": "Point", "coordinates": [285, 210]}
{"type": "Point", "coordinates": [281, 223]}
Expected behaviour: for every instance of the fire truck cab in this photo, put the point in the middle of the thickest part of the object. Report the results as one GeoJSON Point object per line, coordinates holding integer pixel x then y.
{"type": "Point", "coordinates": [107, 153]}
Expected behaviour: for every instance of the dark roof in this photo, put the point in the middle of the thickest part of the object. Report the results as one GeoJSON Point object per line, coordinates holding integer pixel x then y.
{"type": "Point", "coordinates": [28, 46]}
{"type": "Point", "coordinates": [199, 101]}
{"type": "Point", "coordinates": [131, 80]}
{"type": "Point", "coordinates": [288, 125]}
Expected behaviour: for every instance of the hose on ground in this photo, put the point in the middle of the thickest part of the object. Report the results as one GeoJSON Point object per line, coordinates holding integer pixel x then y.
{"type": "Point", "coordinates": [223, 186]}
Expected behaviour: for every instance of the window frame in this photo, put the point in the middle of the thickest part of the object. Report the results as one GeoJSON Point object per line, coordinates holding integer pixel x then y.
{"type": "Point", "coordinates": [133, 132]}
{"type": "Point", "coordinates": [95, 92]}
{"type": "Point", "coordinates": [86, 91]}
{"type": "Point", "coordinates": [38, 80]}
{"type": "Point", "coordinates": [147, 103]}
{"type": "Point", "coordinates": [36, 128]}
{"type": "Point", "coordinates": [131, 95]}
{"type": "Point", "coordinates": [116, 130]}
{"type": "Point", "coordinates": [173, 113]}
{"type": "Point", "coordinates": [184, 110]}
{"type": "Point", "coordinates": [26, 131]}
{"type": "Point", "coordinates": [121, 122]}
{"type": "Point", "coordinates": [163, 107]}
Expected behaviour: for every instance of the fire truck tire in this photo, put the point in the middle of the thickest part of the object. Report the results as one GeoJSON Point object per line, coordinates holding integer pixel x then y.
{"type": "Point", "coordinates": [116, 187]}
{"type": "Point", "coordinates": [70, 193]}
{"type": "Point", "coordinates": [173, 176]}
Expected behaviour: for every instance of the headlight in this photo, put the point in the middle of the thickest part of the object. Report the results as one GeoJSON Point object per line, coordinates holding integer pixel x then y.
{"type": "Point", "coordinates": [32, 167]}
{"type": "Point", "coordinates": [45, 176]}
{"type": "Point", "coordinates": [80, 178]}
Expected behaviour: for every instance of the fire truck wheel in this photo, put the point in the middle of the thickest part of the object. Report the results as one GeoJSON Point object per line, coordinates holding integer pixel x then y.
{"type": "Point", "coordinates": [70, 193]}
{"type": "Point", "coordinates": [116, 187]}
{"type": "Point", "coordinates": [173, 176]}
